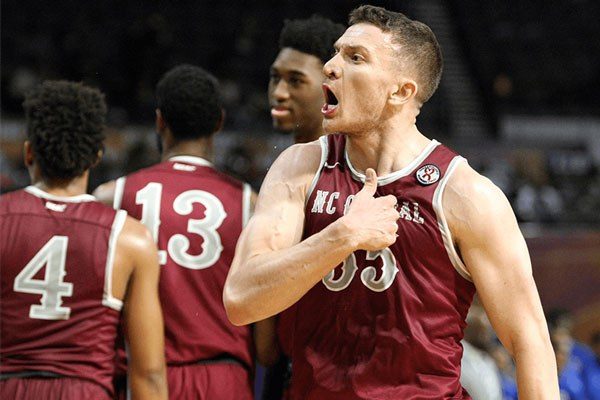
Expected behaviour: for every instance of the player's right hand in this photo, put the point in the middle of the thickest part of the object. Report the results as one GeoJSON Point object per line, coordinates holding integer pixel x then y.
{"type": "Point", "coordinates": [373, 221]}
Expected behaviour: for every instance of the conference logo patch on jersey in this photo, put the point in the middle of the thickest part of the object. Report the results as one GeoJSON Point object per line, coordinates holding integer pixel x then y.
{"type": "Point", "coordinates": [428, 174]}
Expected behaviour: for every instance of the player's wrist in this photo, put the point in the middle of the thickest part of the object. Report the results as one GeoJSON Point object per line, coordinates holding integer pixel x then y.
{"type": "Point", "coordinates": [347, 231]}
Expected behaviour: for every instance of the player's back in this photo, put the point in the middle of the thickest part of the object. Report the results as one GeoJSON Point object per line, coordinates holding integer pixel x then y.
{"type": "Point", "coordinates": [196, 215]}
{"type": "Point", "coordinates": [58, 316]}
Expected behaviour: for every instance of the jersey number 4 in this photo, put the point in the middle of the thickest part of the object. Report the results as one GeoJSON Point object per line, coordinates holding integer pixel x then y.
{"type": "Point", "coordinates": [177, 246]}
{"type": "Point", "coordinates": [52, 288]}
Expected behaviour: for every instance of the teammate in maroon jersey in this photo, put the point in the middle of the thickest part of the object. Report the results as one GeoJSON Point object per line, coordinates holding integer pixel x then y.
{"type": "Point", "coordinates": [383, 270]}
{"type": "Point", "coordinates": [296, 96]}
{"type": "Point", "coordinates": [195, 214]}
{"type": "Point", "coordinates": [71, 264]}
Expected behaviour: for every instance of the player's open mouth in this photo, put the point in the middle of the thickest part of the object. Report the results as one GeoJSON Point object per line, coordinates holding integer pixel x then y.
{"type": "Point", "coordinates": [331, 101]}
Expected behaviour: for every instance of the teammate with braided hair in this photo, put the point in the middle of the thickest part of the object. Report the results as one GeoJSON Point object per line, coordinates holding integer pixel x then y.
{"type": "Point", "coordinates": [71, 265]}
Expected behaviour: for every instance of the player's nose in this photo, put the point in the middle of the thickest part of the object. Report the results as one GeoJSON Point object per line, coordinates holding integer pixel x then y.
{"type": "Point", "coordinates": [280, 90]}
{"type": "Point", "coordinates": [331, 69]}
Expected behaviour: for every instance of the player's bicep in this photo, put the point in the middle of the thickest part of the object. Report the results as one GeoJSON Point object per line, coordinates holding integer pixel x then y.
{"type": "Point", "coordinates": [278, 217]}
{"type": "Point", "coordinates": [495, 254]}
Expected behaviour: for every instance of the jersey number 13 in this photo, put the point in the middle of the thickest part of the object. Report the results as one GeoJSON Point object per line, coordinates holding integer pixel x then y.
{"type": "Point", "coordinates": [177, 246]}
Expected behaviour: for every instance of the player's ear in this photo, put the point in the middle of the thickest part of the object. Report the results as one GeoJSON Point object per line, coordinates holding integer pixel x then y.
{"type": "Point", "coordinates": [99, 158]}
{"type": "Point", "coordinates": [161, 124]}
{"type": "Point", "coordinates": [403, 92]}
{"type": "Point", "coordinates": [221, 121]}
{"type": "Point", "coordinates": [27, 154]}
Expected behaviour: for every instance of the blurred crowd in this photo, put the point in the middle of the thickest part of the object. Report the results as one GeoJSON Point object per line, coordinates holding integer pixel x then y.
{"type": "Point", "coordinates": [553, 186]}
{"type": "Point", "coordinates": [488, 371]}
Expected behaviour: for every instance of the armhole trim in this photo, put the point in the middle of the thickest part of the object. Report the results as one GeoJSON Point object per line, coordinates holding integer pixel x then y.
{"type": "Point", "coordinates": [324, 153]}
{"type": "Point", "coordinates": [119, 188]}
{"type": "Point", "coordinates": [455, 259]}
{"type": "Point", "coordinates": [108, 300]}
{"type": "Point", "coordinates": [246, 209]}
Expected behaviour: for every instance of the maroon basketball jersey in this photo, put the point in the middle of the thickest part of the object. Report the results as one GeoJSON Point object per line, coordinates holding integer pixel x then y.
{"type": "Point", "coordinates": [384, 324]}
{"type": "Point", "coordinates": [58, 314]}
{"type": "Point", "coordinates": [196, 215]}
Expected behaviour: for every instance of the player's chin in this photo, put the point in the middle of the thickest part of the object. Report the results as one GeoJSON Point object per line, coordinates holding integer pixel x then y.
{"type": "Point", "coordinates": [283, 126]}
{"type": "Point", "coordinates": [331, 125]}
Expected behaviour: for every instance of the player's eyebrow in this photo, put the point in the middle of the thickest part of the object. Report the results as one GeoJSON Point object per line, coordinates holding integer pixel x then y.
{"type": "Point", "coordinates": [294, 72]}
{"type": "Point", "coordinates": [351, 47]}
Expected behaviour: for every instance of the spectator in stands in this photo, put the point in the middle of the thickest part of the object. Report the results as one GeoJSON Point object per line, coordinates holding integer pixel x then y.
{"type": "Point", "coordinates": [570, 378]}
{"type": "Point", "coordinates": [560, 324]}
{"type": "Point", "coordinates": [479, 375]}
{"type": "Point", "coordinates": [506, 368]}
{"type": "Point", "coordinates": [592, 373]}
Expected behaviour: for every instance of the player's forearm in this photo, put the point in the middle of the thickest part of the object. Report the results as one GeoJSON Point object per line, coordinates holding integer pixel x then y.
{"type": "Point", "coordinates": [149, 384]}
{"type": "Point", "coordinates": [537, 377]}
{"type": "Point", "coordinates": [268, 283]}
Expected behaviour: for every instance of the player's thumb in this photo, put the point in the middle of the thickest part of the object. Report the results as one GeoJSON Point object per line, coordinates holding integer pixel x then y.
{"type": "Point", "coordinates": [370, 182]}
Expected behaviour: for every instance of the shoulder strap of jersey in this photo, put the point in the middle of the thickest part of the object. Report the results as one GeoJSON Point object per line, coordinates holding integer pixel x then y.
{"type": "Point", "coordinates": [246, 206]}
{"type": "Point", "coordinates": [453, 255]}
{"type": "Point", "coordinates": [324, 142]}
{"type": "Point", "coordinates": [119, 189]}
{"type": "Point", "coordinates": [108, 299]}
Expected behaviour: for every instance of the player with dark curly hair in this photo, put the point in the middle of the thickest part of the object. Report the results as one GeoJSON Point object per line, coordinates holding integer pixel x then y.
{"type": "Point", "coordinates": [196, 215]}
{"type": "Point", "coordinates": [71, 264]}
{"type": "Point", "coordinates": [295, 86]}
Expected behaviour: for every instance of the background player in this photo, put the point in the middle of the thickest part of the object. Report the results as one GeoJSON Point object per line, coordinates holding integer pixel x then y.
{"type": "Point", "coordinates": [296, 97]}
{"type": "Point", "coordinates": [69, 265]}
{"type": "Point", "coordinates": [295, 86]}
{"type": "Point", "coordinates": [196, 214]}
{"type": "Point", "coordinates": [395, 332]}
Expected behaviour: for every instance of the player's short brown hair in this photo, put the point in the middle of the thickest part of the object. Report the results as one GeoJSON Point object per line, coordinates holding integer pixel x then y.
{"type": "Point", "coordinates": [419, 46]}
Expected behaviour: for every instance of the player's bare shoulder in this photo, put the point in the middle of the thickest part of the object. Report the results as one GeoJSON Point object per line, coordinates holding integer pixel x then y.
{"type": "Point", "coordinates": [471, 200]}
{"type": "Point", "coordinates": [135, 236]}
{"type": "Point", "coordinates": [294, 169]}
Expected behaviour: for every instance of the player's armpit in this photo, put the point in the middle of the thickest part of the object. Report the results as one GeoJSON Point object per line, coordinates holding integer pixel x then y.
{"type": "Point", "coordinates": [493, 249]}
{"type": "Point", "coordinates": [105, 193]}
{"type": "Point", "coordinates": [143, 315]}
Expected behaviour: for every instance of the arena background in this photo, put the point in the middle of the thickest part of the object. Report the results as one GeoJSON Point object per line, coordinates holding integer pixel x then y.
{"type": "Point", "coordinates": [519, 98]}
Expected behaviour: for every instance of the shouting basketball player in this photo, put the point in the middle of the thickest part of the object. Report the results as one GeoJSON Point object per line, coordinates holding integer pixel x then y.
{"type": "Point", "coordinates": [380, 236]}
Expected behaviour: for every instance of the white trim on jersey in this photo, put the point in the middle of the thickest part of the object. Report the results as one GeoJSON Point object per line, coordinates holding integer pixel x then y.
{"type": "Point", "coordinates": [324, 152]}
{"type": "Point", "coordinates": [119, 189]}
{"type": "Point", "coordinates": [37, 192]}
{"type": "Point", "coordinates": [455, 259]}
{"type": "Point", "coordinates": [391, 177]}
{"type": "Point", "coordinates": [192, 160]}
{"type": "Point", "coordinates": [107, 299]}
{"type": "Point", "coordinates": [246, 199]}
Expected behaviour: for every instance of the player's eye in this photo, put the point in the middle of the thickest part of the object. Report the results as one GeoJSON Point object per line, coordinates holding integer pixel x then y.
{"type": "Point", "coordinates": [274, 77]}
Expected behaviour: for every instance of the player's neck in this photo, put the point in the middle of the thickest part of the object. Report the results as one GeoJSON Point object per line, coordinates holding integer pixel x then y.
{"type": "Point", "coordinates": [198, 148]}
{"type": "Point", "coordinates": [64, 188]}
{"type": "Point", "coordinates": [389, 148]}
